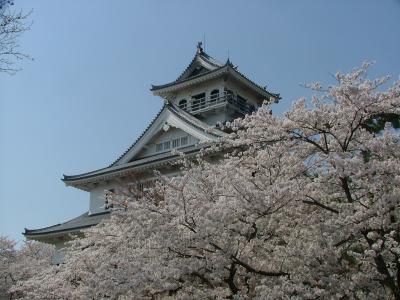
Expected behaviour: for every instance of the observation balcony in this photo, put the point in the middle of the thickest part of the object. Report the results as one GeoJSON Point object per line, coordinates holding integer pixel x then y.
{"type": "Point", "coordinates": [199, 105]}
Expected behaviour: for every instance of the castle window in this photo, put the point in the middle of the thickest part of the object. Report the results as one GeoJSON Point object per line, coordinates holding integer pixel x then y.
{"type": "Point", "coordinates": [108, 198]}
{"type": "Point", "coordinates": [167, 145]}
{"type": "Point", "coordinates": [159, 147]}
{"type": "Point", "coordinates": [229, 93]}
{"type": "Point", "coordinates": [143, 185]}
{"type": "Point", "coordinates": [199, 101]}
{"type": "Point", "coordinates": [184, 141]}
{"type": "Point", "coordinates": [242, 103]}
{"type": "Point", "coordinates": [176, 143]}
{"type": "Point", "coordinates": [182, 104]}
{"type": "Point", "coordinates": [214, 96]}
{"type": "Point", "coordinates": [229, 96]}
{"type": "Point", "coordinates": [241, 100]}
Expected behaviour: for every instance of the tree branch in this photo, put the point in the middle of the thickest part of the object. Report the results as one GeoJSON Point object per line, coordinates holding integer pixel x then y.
{"type": "Point", "coordinates": [316, 203]}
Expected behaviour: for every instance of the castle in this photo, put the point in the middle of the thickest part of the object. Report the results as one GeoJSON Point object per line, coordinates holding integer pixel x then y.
{"type": "Point", "coordinates": [206, 94]}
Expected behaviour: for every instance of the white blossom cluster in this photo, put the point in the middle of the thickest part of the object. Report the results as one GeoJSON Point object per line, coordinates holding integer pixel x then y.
{"type": "Point", "coordinates": [18, 264]}
{"type": "Point", "coordinates": [303, 206]}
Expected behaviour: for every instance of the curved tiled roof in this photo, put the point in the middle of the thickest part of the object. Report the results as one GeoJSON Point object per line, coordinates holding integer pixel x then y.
{"type": "Point", "coordinates": [138, 139]}
{"type": "Point", "coordinates": [83, 221]}
{"type": "Point", "coordinates": [178, 112]}
{"type": "Point", "coordinates": [181, 114]}
{"type": "Point", "coordinates": [185, 116]}
{"type": "Point", "coordinates": [199, 57]}
{"type": "Point", "coordinates": [215, 67]}
{"type": "Point", "coordinates": [158, 87]}
{"type": "Point", "coordinates": [224, 69]}
{"type": "Point", "coordinates": [277, 95]}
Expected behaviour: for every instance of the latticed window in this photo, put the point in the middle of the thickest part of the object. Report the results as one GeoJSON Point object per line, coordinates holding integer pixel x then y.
{"type": "Point", "coordinates": [167, 145]}
{"type": "Point", "coordinates": [108, 199]}
{"type": "Point", "coordinates": [143, 185]}
{"type": "Point", "coordinates": [229, 93]}
{"type": "Point", "coordinates": [214, 96]}
{"type": "Point", "coordinates": [176, 143]}
{"type": "Point", "coordinates": [184, 141]}
{"type": "Point", "coordinates": [183, 104]}
{"type": "Point", "coordinates": [241, 101]}
{"type": "Point", "coordinates": [159, 147]}
{"type": "Point", "coordinates": [199, 101]}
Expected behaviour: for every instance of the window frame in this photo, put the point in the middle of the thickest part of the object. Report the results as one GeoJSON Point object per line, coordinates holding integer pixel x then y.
{"type": "Point", "coordinates": [186, 139]}
{"type": "Point", "coordinates": [159, 147]}
{"type": "Point", "coordinates": [183, 103]}
{"type": "Point", "coordinates": [176, 143]}
{"type": "Point", "coordinates": [214, 95]}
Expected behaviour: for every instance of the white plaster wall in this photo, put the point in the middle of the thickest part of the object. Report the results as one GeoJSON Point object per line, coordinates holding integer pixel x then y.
{"type": "Point", "coordinates": [217, 116]}
{"type": "Point", "coordinates": [219, 84]}
{"type": "Point", "coordinates": [59, 255]}
{"type": "Point", "coordinates": [206, 87]}
{"type": "Point", "coordinates": [243, 92]}
{"type": "Point", "coordinates": [97, 198]}
{"type": "Point", "coordinates": [169, 135]}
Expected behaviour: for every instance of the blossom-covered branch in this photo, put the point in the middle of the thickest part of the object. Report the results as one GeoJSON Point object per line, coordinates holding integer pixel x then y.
{"type": "Point", "coordinates": [303, 206]}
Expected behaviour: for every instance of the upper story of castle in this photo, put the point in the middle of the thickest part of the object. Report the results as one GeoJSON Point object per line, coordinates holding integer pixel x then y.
{"type": "Point", "coordinates": [214, 92]}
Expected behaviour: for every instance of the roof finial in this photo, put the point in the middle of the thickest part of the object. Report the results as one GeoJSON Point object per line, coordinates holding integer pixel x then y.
{"type": "Point", "coordinates": [200, 47]}
{"type": "Point", "coordinates": [228, 61]}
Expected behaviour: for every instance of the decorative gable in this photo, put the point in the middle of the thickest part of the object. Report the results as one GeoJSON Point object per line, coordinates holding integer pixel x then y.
{"type": "Point", "coordinates": [166, 140]}
{"type": "Point", "coordinates": [172, 125]}
{"type": "Point", "coordinates": [200, 64]}
{"type": "Point", "coordinates": [198, 71]}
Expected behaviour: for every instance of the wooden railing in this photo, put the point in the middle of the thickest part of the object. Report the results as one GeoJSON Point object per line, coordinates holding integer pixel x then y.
{"type": "Point", "coordinates": [203, 104]}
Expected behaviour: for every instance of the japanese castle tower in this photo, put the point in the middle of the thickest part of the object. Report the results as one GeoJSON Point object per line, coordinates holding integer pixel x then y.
{"type": "Point", "coordinates": [206, 94]}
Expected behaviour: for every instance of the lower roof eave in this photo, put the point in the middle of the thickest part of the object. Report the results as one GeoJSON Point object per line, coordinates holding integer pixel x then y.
{"type": "Point", "coordinates": [112, 172]}
{"type": "Point", "coordinates": [54, 235]}
{"type": "Point", "coordinates": [62, 230]}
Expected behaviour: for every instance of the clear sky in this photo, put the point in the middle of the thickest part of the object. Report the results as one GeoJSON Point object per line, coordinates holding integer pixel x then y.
{"type": "Point", "coordinates": [85, 98]}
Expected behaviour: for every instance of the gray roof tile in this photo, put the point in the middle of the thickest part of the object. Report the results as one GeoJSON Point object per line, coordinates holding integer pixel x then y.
{"type": "Point", "coordinates": [83, 221]}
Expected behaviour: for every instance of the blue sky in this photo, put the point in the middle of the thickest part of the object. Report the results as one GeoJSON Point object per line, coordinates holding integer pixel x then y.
{"type": "Point", "coordinates": [85, 97]}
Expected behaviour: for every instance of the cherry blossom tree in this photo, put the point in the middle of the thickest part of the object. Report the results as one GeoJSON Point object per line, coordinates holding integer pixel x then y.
{"type": "Point", "coordinates": [303, 206]}
{"type": "Point", "coordinates": [7, 254]}
{"type": "Point", "coordinates": [20, 264]}
{"type": "Point", "coordinates": [12, 24]}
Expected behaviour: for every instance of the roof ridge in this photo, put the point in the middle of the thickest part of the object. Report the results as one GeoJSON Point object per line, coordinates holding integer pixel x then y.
{"type": "Point", "coordinates": [227, 65]}
{"type": "Point", "coordinates": [200, 54]}
{"type": "Point", "coordinates": [137, 140]}
{"type": "Point", "coordinates": [82, 221]}
{"type": "Point", "coordinates": [178, 112]}
{"type": "Point", "coordinates": [155, 87]}
{"type": "Point", "coordinates": [182, 114]}
{"type": "Point", "coordinates": [235, 68]}
{"type": "Point", "coordinates": [187, 68]}
{"type": "Point", "coordinates": [126, 151]}
{"type": "Point", "coordinates": [48, 227]}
